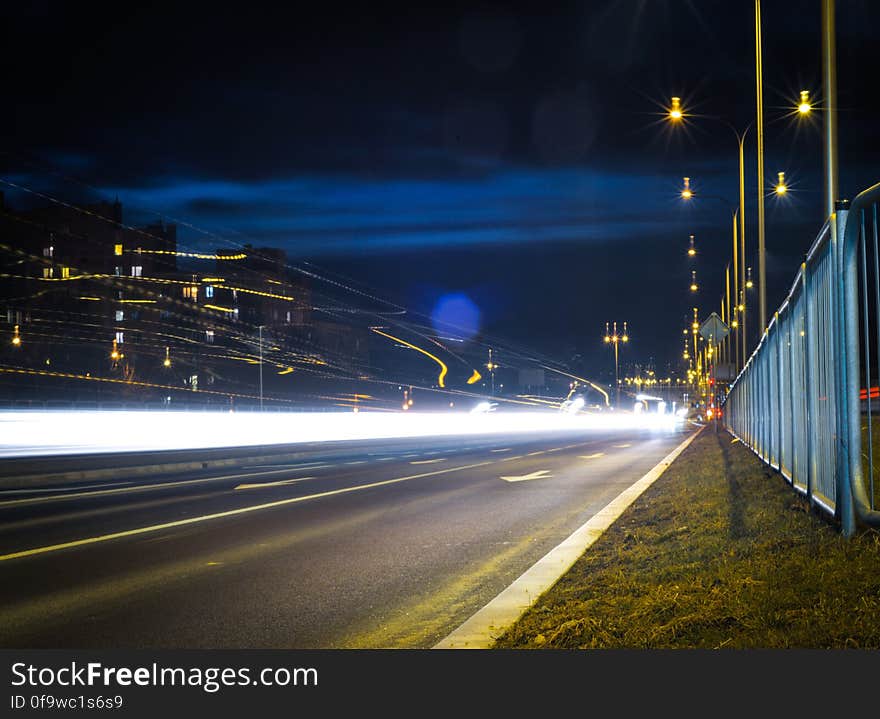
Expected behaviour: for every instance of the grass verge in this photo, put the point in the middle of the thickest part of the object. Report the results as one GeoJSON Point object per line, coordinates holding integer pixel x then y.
{"type": "Point", "coordinates": [718, 552]}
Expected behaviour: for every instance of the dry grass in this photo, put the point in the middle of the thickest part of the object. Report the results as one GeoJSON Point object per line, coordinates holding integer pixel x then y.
{"type": "Point", "coordinates": [719, 552]}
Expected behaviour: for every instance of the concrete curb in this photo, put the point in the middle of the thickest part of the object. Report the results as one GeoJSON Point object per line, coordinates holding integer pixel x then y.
{"type": "Point", "coordinates": [481, 630]}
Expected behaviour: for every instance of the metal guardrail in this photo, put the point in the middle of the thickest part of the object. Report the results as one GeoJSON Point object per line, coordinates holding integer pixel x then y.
{"type": "Point", "coordinates": [861, 306]}
{"type": "Point", "coordinates": [797, 402]}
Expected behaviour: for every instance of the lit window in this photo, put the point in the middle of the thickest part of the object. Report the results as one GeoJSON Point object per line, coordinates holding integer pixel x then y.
{"type": "Point", "coordinates": [117, 271]}
{"type": "Point", "coordinates": [65, 273]}
{"type": "Point", "coordinates": [117, 250]}
{"type": "Point", "coordinates": [191, 292]}
{"type": "Point", "coordinates": [48, 251]}
{"type": "Point", "coordinates": [209, 336]}
{"type": "Point", "coordinates": [288, 316]}
{"type": "Point", "coordinates": [119, 337]}
{"type": "Point", "coordinates": [209, 291]}
{"type": "Point", "coordinates": [120, 315]}
{"type": "Point", "coordinates": [48, 272]}
{"type": "Point", "coordinates": [137, 270]}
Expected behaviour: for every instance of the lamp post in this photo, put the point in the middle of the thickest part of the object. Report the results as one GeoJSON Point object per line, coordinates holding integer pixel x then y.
{"type": "Point", "coordinates": [491, 366]}
{"type": "Point", "coordinates": [676, 115]}
{"type": "Point", "coordinates": [613, 338]}
{"type": "Point", "coordinates": [261, 367]}
{"type": "Point", "coordinates": [829, 81]}
{"type": "Point", "coordinates": [759, 85]}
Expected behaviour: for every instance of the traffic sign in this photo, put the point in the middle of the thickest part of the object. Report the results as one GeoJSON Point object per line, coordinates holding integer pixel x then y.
{"type": "Point", "coordinates": [714, 329]}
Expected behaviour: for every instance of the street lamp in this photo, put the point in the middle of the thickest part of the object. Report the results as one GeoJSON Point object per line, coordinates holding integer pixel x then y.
{"type": "Point", "coordinates": [491, 366]}
{"type": "Point", "coordinates": [686, 192]}
{"type": "Point", "coordinates": [16, 337]}
{"type": "Point", "coordinates": [613, 338]}
{"type": "Point", "coordinates": [692, 250]}
{"type": "Point", "coordinates": [167, 361]}
{"type": "Point", "coordinates": [781, 188]}
{"type": "Point", "coordinates": [804, 106]}
{"type": "Point", "coordinates": [261, 367]}
{"type": "Point", "coordinates": [694, 286]}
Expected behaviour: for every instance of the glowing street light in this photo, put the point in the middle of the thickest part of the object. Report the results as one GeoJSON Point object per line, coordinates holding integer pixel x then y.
{"type": "Point", "coordinates": [749, 283]}
{"type": "Point", "coordinates": [694, 286]}
{"type": "Point", "coordinates": [692, 250]}
{"type": "Point", "coordinates": [613, 338]}
{"type": "Point", "coordinates": [675, 112]}
{"type": "Point", "coordinates": [804, 107]}
{"type": "Point", "coordinates": [167, 362]}
{"type": "Point", "coordinates": [16, 337]}
{"type": "Point", "coordinates": [115, 354]}
{"type": "Point", "coordinates": [686, 192]}
{"type": "Point", "coordinates": [491, 366]}
{"type": "Point", "coordinates": [781, 187]}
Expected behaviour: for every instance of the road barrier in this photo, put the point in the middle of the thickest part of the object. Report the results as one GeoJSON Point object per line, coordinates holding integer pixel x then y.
{"type": "Point", "coordinates": [802, 401]}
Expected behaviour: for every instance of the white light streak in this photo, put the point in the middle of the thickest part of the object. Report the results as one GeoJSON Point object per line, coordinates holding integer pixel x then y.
{"type": "Point", "coordinates": [47, 432]}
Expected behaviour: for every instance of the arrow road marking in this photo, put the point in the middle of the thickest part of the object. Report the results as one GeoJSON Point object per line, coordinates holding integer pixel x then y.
{"type": "Point", "coordinates": [264, 485]}
{"type": "Point", "coordinates": [540, 474]}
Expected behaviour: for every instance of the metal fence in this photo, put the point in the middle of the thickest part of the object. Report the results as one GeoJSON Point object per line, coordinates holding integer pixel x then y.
{"type": "Point", "coordinates": [803, 400]}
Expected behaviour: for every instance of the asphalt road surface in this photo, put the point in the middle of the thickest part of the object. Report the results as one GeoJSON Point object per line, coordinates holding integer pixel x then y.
{"type": "Point", "coordinates": [394, 544]}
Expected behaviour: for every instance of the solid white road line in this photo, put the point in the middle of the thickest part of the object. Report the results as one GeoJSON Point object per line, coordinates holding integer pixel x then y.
{"type": "Point", "coordinates": [540, 474]}
{"type": "Point", "coordinates": [266, 485]}
{"type": "Point", "coordinates": [481, 630]}
{"type": "Point", "coordinates": [140, 487]}
{"type": "Point", "coordinates": [228, 513]}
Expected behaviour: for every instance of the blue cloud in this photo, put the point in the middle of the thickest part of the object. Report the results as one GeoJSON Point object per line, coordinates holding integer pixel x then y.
{"type": "Point", "coordinates": [328, 215]}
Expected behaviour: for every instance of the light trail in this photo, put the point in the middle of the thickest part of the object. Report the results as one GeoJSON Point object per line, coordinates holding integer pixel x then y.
{"type": "Point", "coordinates": [443, 368]}
{"type": "Point", "coordinates": [37, 432]}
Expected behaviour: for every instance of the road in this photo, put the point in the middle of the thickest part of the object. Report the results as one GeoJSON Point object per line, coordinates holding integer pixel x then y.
{"type": "Point", "coordinates": [392, 545]}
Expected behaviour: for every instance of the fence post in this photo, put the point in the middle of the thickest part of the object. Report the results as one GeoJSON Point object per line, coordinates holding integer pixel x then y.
{"type": "Point", "coordinates": [810, 380]}
{"type": "Point", "coordinates": [848, 366]}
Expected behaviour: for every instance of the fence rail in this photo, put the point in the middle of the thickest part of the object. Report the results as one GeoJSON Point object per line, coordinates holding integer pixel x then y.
{"type": "Point", "coordinates": [798, 400]}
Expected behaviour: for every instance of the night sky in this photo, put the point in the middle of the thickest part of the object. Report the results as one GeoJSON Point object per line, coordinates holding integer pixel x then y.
{"type": "Point", "coordinates": [513, 156]}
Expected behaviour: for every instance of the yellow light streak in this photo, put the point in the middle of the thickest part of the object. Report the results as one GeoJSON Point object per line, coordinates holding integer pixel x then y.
{"type": "Point", "coordinates": [286, 371]}
{"type": "Point", "coordinates": [219, 308]}
{"type": "Point", "coordinates": [197, 255]}
{"type": "Point", "coordinates": [475, 377]}
{"type": "Point", "coordinates": [581, 379]}
{"type": "Point", "coordinates": [443, 368]}
{"type": "Point", "coordinates": [135, 383]}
